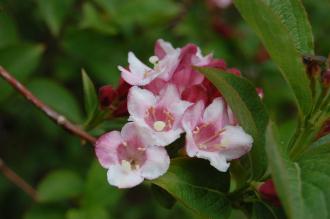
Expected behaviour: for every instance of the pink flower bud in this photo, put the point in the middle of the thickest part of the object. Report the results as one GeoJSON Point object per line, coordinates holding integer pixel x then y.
{"type": "Point", "coordinates": [107, 95]}
{"type": "Point", "coordinates": [268, 192]}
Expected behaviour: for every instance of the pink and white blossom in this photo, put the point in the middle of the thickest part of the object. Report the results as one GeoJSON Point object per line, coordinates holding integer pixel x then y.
{"type": "Point", "coordinates": [158, 117]}
{"type": "Point", "coordinates": [164, 65]}
{"type": "Point", "coordinates": [130, 160]}
{"type": "Point", "coordinates": [212, 134]}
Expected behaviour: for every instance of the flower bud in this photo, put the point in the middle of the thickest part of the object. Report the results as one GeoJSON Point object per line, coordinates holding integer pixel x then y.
{"type": "Point", "coordinates": [268, 192]}
{"type": "Point", "coordinates": [107, 95]}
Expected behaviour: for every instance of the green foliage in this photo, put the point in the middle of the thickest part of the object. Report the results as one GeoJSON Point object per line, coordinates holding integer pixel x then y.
{"type": "Point", "coordinates": [59, 185]}
{"type": "Point", "coordinates": [280, 44]}
{"type": "Point", "coordinates": [54, 13]}
{"type": "Point", "coordinates": [21, 60]}
{"type": "Point", "coordinates": [301, 184]}
{"type": "Point", "coordinates": [198, 186]}
{"type": "Point", "coordinates": [90, 96]}
{"type": "Point", "coordinates": [249, 110]}
{"type": "Point", "coordinates": [8, 31]}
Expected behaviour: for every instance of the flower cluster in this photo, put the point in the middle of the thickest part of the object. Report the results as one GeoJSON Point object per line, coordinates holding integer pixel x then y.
{"type": "Point", "coordinates": [164, 101]}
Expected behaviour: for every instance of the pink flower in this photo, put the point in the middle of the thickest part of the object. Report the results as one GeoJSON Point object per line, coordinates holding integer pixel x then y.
{"type": "Point", "coordinates": [128, 159]}
{"type": "Point", "coordinates": [211, 134]}
{"type": "Point", "coordinates": [158, 117]}
{"type": "Point", "coordinates": [164, 65]}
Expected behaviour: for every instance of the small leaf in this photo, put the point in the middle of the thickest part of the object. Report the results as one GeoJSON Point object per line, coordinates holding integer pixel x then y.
{"type": "Point", "coordinates": [198, 186]}
{"type": "Point", "coordinates": [302, 185]}
{"type": "Point", "coordinates": [90, 96]}
{"type": "Point", "coordinates": [241, 96]}
{"type": "Point", "coordinates": [8, 31]}
{"type": "Point", "coordinates": [97, 191]}
{"type": "Point", "coordinates": [88, 213]}
{"type": "Point", "coordinates": [59, 185]}
{"type": "Point", "coordinates": [54, 13]}
{"type": "Point", "coordinates": [20, 60]}
{"type": "Point", "coordinates": [163, 197]}
{"type": "Point", "coordinates": [281, 46]}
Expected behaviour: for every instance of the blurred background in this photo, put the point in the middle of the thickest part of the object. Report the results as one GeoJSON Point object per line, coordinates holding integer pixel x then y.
{"type": "Point", "coordinates": [46, 43]}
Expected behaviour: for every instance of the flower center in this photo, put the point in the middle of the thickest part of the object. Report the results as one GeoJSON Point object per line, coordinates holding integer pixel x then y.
{"type": "Point", "coordinates": [207, 137]}
{"type": "Point", "coordinates": [159, 126]}
{"type": "Point", "coordinates": [131, 155]}
{"type": "Point", "coordinates": [159, 119]}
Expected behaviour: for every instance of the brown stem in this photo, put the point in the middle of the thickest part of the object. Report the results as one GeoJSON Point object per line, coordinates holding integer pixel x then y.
{"type": "Point", "coordinates": [55, 116]}
{"type": "Point", "coordinates": [17, 180]}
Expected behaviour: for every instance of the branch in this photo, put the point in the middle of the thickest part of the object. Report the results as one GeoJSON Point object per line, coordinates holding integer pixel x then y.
{"type": "Point", "coordinates": [55, 116]}
{"type": "Point", "coordinates": [17, 180]}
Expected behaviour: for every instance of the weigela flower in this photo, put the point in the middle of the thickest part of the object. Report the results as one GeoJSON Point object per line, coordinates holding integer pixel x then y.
{"type": "Point", "coordinates": [128, 159]}
{"type": "Point", "coordinates": [163, 102]}
{"type": "Point", "coordinates": [158, 117]}
{"type": "Point", "coordinates": [268, 192]}
{"type": "Point", "coordinates": [140, 74]}
{"type": "Point", "coordinates": [212, 135]}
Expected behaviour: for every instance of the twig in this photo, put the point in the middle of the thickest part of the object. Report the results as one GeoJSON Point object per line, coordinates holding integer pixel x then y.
{"type": "Point", "coordinates": [17, 180]}
{"type": "Point", "coordinates": [55, 116]}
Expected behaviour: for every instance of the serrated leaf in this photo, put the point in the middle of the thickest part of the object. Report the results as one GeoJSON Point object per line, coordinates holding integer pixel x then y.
{"type": "Point", "coordinates": [59, 185]}
{"type": "Point", "coordinates": [57, 97]}
{"type": "Point", "coordinates": [54, 13]}
{"type": "Point", "coordinates": [293, 15]}
{"type": "Point", "coordinates": [281, 46]}
{"type": "Point", "coordinates": [243, 99]}
{"type": "Point", "coordinates": [90, 96]}
{"type": "Point", "coordinates": [198, 186]}
{"type": "Point", "coordinates": [20, 60]}
{"type": "Point", "coordinates": [302, 185]}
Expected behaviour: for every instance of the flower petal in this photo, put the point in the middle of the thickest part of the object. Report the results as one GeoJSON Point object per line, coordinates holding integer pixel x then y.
{"type": "Point", "coordinates": [138, 101]}
{"type": "Point", "coordinates": [151, 137]}
{"type": "Point", "coordinates": [156, 164]}
{"type": "Point", "coordinates": [214, 111]}
{"type": "Point", "coordinates": [216, 159]}
{"type": "Point", "coordinates": [122, 178]}
{"type": "Point", "coordinates": [192, 116]}
{"type": "Point", "coordinates": [105, 148]}
{"type": "Point", "coordinates": [191, 147]}
{"type": "Point", "coordinates": [236, 142]}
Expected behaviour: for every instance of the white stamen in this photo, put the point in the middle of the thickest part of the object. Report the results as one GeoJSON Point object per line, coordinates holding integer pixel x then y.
{"type": "Point", "coordinates": [125, 143]}
{"type": "Point", "coordinates": [153, 60]}
{"type": "Point", "coordinates": [126, 165]}
{"type": "Point", "coordinates": [159, 126]}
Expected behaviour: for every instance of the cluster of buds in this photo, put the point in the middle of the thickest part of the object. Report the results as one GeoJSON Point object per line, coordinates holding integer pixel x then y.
{"type": "Point", "coordinates": [163, 102]}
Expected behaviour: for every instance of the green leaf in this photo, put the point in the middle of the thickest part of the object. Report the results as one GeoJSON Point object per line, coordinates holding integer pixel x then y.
{"type": "Point", "coordinates": [279, 42]}
{"type": "Point", "coordinates": [8, 31]}
{"type": "Point", "coordinates": [163, 197]}
{"type": "Point", "coordinates": [293, 15]}
{"type": "Point", "coordinates": [95, 20]}
{"type": "Point", "coordinates": [302, 185]}
{"type": "Point", "coordinates": [88, 213]}
{"type": "Point", "coordinates": [97, 191]}
{"type": "Point", "coordinates": [243, 99]}
{"type": "Point", "coordinates": [261, 210]}
{"type": "Point", "coordinates": [44, 212]}
{"type": "Point", "coordinates": [54, 13]}
{"type": "Point", "coordinates": [198, 186]}
{"type": "Point", "coordinates": [57, 97]}
{"type": "Point", "coordinates": [59, 185]}
{"type": "Point", "coordinates": [20, 60]}
{"type": "Point", "coordinates": [90, 96]}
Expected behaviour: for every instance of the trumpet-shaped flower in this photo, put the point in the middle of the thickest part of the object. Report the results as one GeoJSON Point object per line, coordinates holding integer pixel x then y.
{"type": "Point", "coordinates": [164, 65]}
{"type": "Point", "coordinates": [128, 158]}
{"type": "Point", "coordinates": [212, 135]}
{"type": "Point", "coordinates": [158, 117]}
